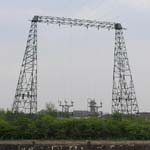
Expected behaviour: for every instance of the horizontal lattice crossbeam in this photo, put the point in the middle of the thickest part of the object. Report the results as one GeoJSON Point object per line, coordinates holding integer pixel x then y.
{"type": "Point", "coordinates": [77, 22]}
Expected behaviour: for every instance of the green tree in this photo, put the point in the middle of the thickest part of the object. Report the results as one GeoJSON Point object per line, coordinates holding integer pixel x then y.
{"type": "Point", "coordinates": [49, 109]}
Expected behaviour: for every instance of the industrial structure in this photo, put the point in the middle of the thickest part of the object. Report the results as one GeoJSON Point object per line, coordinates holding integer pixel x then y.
{"type": "Point", "coordinates": [94, 108]}
{"type": "Point", "coordinates": [65, 108]}
{"type": "Point", "coordinates": [123, 93]}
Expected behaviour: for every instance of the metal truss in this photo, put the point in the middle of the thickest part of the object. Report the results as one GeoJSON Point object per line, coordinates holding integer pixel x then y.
{"type": "Point", "coordinates": [123, 94]}
{"type": "Point", "coordinates": [77, 22]}
{"type": "Point", "coordinates": [26, 92]}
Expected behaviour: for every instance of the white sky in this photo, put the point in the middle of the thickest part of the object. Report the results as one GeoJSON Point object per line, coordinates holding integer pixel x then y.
{"type": "Point", "coordinates": [75, 63]}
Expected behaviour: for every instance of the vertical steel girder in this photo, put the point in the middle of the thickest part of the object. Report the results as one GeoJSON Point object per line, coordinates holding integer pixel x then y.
{"type": "Point", "coordinates": [123, 93]}
{"type": "Point", "coordinates": [26, 91]}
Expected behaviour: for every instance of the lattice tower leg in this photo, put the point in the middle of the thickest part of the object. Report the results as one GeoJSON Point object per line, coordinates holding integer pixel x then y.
{"type": "Point", "coordinates": [123, 93]}
{"type": "Point", "coordinates": [26, 92]}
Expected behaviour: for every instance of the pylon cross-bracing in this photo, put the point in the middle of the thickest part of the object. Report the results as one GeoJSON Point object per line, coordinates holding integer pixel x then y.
{"type": "Point", "coordinates": [123, 94]}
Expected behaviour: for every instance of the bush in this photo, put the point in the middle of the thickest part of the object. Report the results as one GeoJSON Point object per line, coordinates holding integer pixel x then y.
{"type": "Point", "coordinates": [47, 126]}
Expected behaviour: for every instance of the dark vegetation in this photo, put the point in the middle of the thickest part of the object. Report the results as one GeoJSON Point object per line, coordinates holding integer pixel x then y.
{"type": "Point", "coordinates": [46, 125]}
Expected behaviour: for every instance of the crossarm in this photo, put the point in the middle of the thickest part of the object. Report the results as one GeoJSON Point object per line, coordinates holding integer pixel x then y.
{"type": "Point", "coordinates": [77, 22]}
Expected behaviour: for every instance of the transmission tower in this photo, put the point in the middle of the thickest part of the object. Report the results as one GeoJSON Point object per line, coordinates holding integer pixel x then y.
{"type": "Point", "coordinates": [123, 95]}
{"type": "Point", "coordinates": [94, 108]}
{"type": "Point", "coordinates": [65, 107]}
{"type": "Point", "coordinates": [26, 91]}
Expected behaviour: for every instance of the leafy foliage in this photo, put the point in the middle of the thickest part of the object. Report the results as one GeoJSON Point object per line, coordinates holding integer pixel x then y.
{"type": "Point", "coordinates": [46, 125]}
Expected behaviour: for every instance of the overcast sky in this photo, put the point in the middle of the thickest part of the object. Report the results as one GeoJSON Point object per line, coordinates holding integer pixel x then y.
{"type": "Point", "coordinates": [75, 63]}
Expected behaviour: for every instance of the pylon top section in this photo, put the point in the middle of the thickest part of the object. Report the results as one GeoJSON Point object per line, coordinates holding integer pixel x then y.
{"type": "Point", "coordinates": [78, 22]}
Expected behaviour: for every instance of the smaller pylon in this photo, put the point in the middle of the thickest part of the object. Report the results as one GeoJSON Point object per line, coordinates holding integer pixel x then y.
{"type": "Point", "coordinates": [94, 108]}
{"type": "Point", "coordinates": [65, 107]}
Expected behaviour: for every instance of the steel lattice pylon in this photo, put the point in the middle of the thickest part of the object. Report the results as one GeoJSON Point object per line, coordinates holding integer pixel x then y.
{"type": "Point", "coordinates": [123, 95]}
{"type": "Point", "coordinates": [26, 92]}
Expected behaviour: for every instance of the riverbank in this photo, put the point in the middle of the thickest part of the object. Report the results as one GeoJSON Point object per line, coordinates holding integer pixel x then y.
{"type": "Point", "coordinates": [73, 142]}
{"type": "Point", "coordinates": [73, 145]}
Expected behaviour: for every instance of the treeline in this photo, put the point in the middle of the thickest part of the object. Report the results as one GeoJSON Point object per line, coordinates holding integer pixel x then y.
{"type": "Point", "coordinates": [44, 125]}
